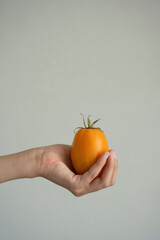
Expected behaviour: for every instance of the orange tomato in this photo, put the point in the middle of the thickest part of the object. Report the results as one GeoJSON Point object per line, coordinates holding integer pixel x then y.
{"type": "Point", "coordinates": [88, 144]}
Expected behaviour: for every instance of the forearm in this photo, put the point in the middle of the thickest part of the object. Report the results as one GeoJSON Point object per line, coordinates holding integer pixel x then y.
{"type": "Point", "coordinates": [19, 165]}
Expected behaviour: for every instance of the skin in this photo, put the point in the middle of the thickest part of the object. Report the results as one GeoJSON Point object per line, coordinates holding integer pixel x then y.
{"type": "Point", "coordinates": [54, 163]}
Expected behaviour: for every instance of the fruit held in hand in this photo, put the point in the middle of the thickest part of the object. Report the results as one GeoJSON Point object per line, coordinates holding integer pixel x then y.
{"type": "Point", "coordinates": [88, 144]}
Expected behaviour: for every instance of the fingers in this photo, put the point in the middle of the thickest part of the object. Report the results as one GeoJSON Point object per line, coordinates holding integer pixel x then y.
{"type": "Point", "coordinates": [105, 180]}
{"type": "Point", "coordinates": [108, 172]}
{"type": "Point", "coordinates": [94, 186]}
{"type": "Point", "coordinates": [93, 172]}
{"type": "Point", "coordinates": [108, 177]}
{"type": "Point", "coordinates": [89, 182]}
{"type": "Point", "coordinates": [114, 177]}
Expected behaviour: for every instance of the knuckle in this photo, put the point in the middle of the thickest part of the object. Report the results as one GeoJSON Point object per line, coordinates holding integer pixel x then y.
{"type": "Point", "coordinates": [77, 192]}
{"type": "Point", "coordinates": [77, 195]}
{"type": "Point", "coordinates": [112, 184]}
{"type": "Point", "coordinates": [105, 184]}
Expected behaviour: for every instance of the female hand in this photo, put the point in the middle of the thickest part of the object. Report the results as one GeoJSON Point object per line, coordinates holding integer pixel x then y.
{"type": "Point", "coordinates": [55, 165]}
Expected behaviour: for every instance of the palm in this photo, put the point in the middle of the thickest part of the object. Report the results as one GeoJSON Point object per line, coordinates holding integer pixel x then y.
{"type": "Point", "coordinates": [59, 153]}
{"type": "Point", "coordinates": [57, 167]}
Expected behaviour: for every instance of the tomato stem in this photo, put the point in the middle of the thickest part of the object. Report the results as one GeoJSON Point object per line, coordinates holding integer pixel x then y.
{"type": "Point", "coordinates": [90, 124]}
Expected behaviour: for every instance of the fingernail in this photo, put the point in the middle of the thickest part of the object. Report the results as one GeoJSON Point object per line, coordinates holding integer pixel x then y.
{"type": "Point", "coordinates": [114, 155]}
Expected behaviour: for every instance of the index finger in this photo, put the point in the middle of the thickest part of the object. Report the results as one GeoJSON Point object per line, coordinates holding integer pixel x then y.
{"type": "Point", "coordinates": [93, 172]}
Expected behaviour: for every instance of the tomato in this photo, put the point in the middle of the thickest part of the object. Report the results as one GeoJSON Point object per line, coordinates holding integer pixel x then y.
{"type": "Point", "coordinates": [88, 144]}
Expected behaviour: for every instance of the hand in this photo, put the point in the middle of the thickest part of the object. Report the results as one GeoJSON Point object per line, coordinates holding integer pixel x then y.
{"type": "Point", "coordinates": [55, 165]}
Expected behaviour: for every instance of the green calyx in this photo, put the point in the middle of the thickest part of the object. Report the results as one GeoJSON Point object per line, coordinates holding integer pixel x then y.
{"type": "Point", "coordinates": [90, 124]}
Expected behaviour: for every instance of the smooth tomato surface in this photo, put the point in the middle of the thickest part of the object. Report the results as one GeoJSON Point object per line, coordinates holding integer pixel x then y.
{"type": "Point", "coordinates": [87, 146]}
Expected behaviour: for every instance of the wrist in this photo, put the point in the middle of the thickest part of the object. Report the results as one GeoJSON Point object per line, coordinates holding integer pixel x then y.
{"type": "Point", "coordinates": [29, 166]}
{"type": "Point", "coordinates": [32, 159]}
{"type": "Point", "coordinates": [20, 165]}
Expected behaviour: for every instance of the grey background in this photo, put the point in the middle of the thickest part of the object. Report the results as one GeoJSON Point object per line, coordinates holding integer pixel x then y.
{"type": "Point", "coordinates": [61, 58]}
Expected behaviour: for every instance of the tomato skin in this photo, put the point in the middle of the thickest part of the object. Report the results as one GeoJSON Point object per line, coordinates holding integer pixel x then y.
{"type": "Point", "coordinates": [87, 146]}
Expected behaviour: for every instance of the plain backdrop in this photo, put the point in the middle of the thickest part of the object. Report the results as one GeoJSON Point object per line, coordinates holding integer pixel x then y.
{"type": "Point", "coordinates": [62, 58]}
